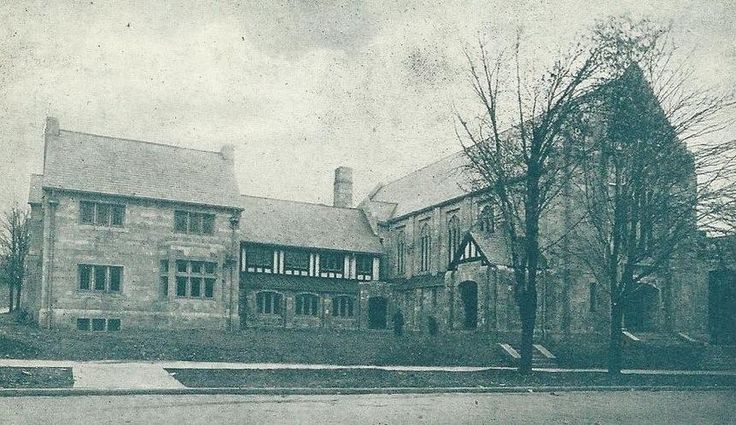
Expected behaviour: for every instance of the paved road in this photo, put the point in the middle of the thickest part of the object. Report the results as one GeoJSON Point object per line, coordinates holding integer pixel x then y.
{"type": "Point", "coordinates": [708, 407]}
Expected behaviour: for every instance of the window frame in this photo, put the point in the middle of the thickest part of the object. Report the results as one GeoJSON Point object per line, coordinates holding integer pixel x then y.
{"type": "Point", "coordinates": [295, 268]}
{"type": "Point", "coordinates": [339, 267]}
{"type": "Point", "coordinates": [94, 208]}
{"type": "Point", "coordinates": [189, 276]}
{"type": "Point", "coordinates": [453, 237]}
{"type": "Point", "coordinates": [401, 252]}
{"type": "Point", "coordinates": [269, 300]}
{"type": "Point", "coordinates": [307, 304]}
{"type": "Point", "coordinates": [366, 273]}
{"type": "Point", "coordinates": [259, 252]}
{"type": "Point", "coordinates": [191, 217]}
{"type": "Point", "coordinates": [343, 307]}
{"type": "Point", "coordinates": [425, 244]}
{"type": "Point", "coordinates": [93, 275]}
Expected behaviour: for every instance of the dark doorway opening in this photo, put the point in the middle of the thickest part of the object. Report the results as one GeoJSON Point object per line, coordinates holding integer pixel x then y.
{"type": "Point", "coordinates": [377, 309]}
{"type": "Point", "coordinates": [469, 297]}
{"type": "Point", "coordinates": [398, 323]}
{"type": "Point", "coordinates": [722, 307]}
{"type": "Point", "coordinates": [642, 307]}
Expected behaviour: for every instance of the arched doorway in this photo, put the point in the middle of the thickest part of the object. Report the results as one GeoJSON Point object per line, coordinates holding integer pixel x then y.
{"type": "Point", "coordinates": [642, 307]}
{"type": "Point", "coordinates": [469, 297]}
{"type": "Point", "coordinates": [377, 309]}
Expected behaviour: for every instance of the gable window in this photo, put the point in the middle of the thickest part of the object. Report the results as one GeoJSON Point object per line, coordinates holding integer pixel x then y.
{"type": "Point", "coordinates": [425, 243]}
{"type": "Point", "coordinates": [100, 278]}
{"type": "Point", "coordinates": [195, 279]}
{"type": "Point", "coordinates": [401, 252]}
{"type": "Point", "coordinates": [453, 237]}
{"type": "Point", "coordinates": [331, 264]}
{"type": "Point", "coordinates": [307, 305]}
{"type": "Point", "coordinates": [268, 302]}
{"type": "Point", "coordinates": [342, 306]}
{"type": "Point", "coordinates": [296, 262]}
{"type": "Point", "coordinates": [364, 267]}
{"type": "Point", "coordinates": [194, 223]}
{"type": "Point", "coordinates": [101, 214]}
{"type": "Point", "coordinates": [486, 220]}
{"type": "Point", "coordinates": [259, 259]}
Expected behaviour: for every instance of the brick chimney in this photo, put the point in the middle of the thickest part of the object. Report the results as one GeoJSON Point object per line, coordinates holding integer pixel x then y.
{"type": "Point", "coordinates": [228, 152]}
{"type": "Point", "coordinates": [343, 194]}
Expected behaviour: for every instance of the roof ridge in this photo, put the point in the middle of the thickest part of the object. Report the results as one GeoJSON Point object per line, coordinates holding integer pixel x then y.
{"type": "Point", "coordinates": [300, 202]}
{"type": "Point", "coordinates": [140, 141]}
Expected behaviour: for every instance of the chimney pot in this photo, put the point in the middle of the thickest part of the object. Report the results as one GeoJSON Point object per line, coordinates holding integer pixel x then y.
{"type": "Point", "coordinates": [52, 126]}
{"type": "Point", "coordinates": [343, 189]}
{"type": "Point", "coordinates": [228, 152]}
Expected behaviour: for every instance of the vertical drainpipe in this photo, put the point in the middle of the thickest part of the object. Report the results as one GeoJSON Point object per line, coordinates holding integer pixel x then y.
{"type": "Point", "coordinates": [233, 259]}
{"type": "Point", "coordinates": [51, 246]}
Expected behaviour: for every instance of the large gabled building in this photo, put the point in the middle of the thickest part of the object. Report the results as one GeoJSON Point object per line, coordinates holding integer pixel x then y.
{"type": "Point", "coordinates": [130, 234]}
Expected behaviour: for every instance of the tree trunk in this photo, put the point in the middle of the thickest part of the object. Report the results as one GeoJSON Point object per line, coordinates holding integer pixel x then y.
{"type": "Point", "coordinates": [528, 313]}
{"type": "Point", "coordinates": [615, 349]}
{"type": "Point", "coordinates": [10, 297]}
{"type": "Point", "coordinates": [17, 297]}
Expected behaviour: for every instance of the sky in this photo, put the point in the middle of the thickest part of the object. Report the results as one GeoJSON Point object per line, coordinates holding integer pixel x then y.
{"type": "Point", "coordinates": [299, 87]}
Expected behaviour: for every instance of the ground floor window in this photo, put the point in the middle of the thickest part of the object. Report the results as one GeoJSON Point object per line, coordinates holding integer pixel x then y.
{"type": "Point", "coordinates": [342, 306]}
{"type": "Point", "coordinates": [195, 279]}
{"type": "Point", "coordinates": [269, 302]}
{"type": "Point", "coordinates": [307, 305]}
{"type": "Point", "coordinates": [100, 278]}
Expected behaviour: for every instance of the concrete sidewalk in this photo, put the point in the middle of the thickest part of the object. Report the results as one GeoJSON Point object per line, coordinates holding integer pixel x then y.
{"type": "Point", "coordinates": [116, 374]}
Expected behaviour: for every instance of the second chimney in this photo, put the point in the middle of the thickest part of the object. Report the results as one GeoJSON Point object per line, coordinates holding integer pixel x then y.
{"type": "Point", "coordinates": [343, 194]}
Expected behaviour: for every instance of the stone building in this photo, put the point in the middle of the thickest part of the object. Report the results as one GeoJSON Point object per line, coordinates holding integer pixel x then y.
{"type": "Point", "coordinates": [130, 234]}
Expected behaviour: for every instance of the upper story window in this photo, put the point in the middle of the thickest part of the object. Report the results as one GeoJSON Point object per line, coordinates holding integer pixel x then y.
{"type": "Point", "coordinates": [195, 279]}
{"type": "Point", "coordinates": [364, 267]}
{"type": "Point", "coordinates": [259, 259]}
{"type": "Point", "coordinates": [331, 264]}
{"type": "Point", "coordinates": [100, 278]}
{"type": "Point", "coordinates": [401, 252]}
{"type": "Point", "coordinates": [453, 237]}
{"type": "Point", "coordinates": [194, 223]}
{"type": "Point", "coordinates": [163, 278]}
{"type": "Point", "coordinates": [296, 262]}
{"type": "Point", "coordinates": [425, 243]}
{"type": "Point", "coordinates": [487, 220]}
{"type": "Point", "coordinates": [101, 214]}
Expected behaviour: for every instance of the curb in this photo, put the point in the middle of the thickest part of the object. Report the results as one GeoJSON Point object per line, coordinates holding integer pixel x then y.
{"type": "Point", "coordinates": [76, 392]}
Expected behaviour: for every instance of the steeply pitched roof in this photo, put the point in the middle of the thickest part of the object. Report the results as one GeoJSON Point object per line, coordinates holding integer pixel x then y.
{"type": "Point", "coordinates": [101, 164]}
{"type": "Point", "coordinates": [301, 224]}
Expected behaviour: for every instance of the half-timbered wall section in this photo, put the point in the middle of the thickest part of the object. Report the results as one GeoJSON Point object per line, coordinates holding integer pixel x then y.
{"type": "Point", "coordinates": [257, 258]}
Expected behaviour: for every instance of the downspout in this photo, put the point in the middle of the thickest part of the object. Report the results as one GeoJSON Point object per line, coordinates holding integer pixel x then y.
{"type": "Point", "coordinates": [233, 260]}
{"type": "Point", "coordinates": [49, 277]}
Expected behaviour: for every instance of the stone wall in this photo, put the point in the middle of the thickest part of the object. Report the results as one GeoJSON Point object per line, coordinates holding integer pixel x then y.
{"type": "Point", "coordinates": [146, 238]}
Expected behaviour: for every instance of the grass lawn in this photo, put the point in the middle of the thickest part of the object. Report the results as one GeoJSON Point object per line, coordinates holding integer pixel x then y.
{"type": "Point", "coordinates": [249, 345]}
{"type": "Point", "coordinates": [27, 341]}
{"type": "Point", "coordinates": [36, 377]}
{"type": "Point", "coordinates": [369, 378]}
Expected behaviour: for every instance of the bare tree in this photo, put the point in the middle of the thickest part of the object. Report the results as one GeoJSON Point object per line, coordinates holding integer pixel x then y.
{"type": "Point", "coordinates": [14, 242]}
{"type": "Point", "coordinates": [522, 168]}
{"type": "Point", "coordinates": [643, 192]}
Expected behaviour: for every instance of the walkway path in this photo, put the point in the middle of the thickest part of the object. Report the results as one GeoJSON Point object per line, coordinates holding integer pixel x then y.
{"type": "Point", "coordinates": [116, 374]}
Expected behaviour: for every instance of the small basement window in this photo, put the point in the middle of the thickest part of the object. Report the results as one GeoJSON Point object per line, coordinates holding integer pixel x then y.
{"type": "Point", "coordinates": [98, 325]}
{"type": "Point", "coordinates": [113, 325]}
{"type": "Point", "coordinates": [83, 324]}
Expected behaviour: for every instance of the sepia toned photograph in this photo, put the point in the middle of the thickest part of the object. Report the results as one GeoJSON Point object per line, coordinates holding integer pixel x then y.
{"type": "Point", "coordinates": [367, 212]}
